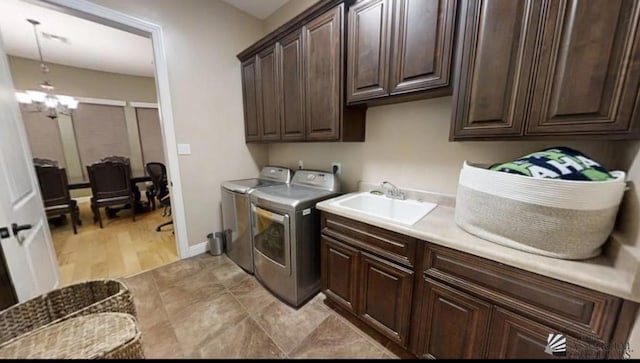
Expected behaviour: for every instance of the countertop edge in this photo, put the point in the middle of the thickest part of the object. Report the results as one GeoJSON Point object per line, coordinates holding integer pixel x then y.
{"type": "Point", "coordinates": [600, 273]}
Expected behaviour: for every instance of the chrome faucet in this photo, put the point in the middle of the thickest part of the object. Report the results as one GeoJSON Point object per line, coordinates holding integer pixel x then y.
{"type": "Point", "coordinates": [394, 192]}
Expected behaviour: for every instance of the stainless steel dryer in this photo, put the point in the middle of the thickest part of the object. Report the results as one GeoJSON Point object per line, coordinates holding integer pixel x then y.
{"type": "Point", "coordinates": [236, 212]}
{"type": "Point", "coordinates": [286, 234]}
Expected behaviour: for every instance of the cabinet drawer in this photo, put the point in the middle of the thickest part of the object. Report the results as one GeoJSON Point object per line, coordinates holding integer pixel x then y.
{"type": "Point", "coordinates": [391, 245]}
{"type": "Point", "coordinates": [580, 311]}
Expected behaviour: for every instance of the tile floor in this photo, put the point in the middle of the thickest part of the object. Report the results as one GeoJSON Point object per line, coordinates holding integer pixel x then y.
{"type": "Point", "coordinates": [207, 307]}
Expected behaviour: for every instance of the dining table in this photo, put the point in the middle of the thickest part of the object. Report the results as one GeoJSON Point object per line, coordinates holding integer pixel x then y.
{"type": "Point", "coordinates": [111, 212]}
{"type": "Point", "coordinates": [82, 183]}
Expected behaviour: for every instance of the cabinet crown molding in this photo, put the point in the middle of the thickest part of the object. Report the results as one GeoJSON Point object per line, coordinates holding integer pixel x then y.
{"type": "Point", "coordinates": [297, 22]}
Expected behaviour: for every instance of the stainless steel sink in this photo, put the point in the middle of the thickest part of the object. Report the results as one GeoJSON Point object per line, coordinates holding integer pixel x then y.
{"type": "Point", "coordinates": [406, 211]}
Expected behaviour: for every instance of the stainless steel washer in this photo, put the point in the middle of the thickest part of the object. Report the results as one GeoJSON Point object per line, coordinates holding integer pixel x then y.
{"type": "Point", "coordinates": [236, 212]}
{"type": "Point", "coordinates": [286, 234]}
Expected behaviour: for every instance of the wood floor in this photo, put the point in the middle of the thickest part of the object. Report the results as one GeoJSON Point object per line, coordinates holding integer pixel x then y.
{"type": "Point", "coordinates": [122, 248]}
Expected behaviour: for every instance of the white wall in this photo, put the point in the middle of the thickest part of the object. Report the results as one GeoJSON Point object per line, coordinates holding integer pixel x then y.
{"type": "Point", "coordinates": [202, 39]}
{"type": "Point", "coordinates": [82, 82]}
{"type": "Point", "coordinates": [627, 158]}
{"type": "Point", "coordinates": [407, 144]}
{"type": "Point", "coordinates": [285, 13]}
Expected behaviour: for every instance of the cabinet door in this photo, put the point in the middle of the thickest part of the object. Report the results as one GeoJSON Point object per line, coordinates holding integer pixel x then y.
{"type": "Point", "coordinates": [268, 91]}
{"type": "Point", "coordinates": [338, 272]}
{"type": "Point", "coordinates": [496, 39]}
{"type": "Point", "coordinates": [368, 50]}
{"type": "Point", "coordinates": [251, 126]}
{"type": "Point", "coordinates": [513, 336]}
{"type": "Point", "coordinates": [452, 324]}
{"type": "Point", "coordinates": [385, 297]}
{"type": "Point", "coordinates": [322, 41]}
{"type": "Point", "coordinates": [291, 102]}
{"type": "Point", "coordinates": [588, 79]}
{"type": "Point", "coordinates": [422, 44]}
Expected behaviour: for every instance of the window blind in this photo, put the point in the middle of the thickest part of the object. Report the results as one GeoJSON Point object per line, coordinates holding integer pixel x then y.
{"type": "Point", "coordinates": [100, 131]}
{"type": "Point", "coordinates": [150, 135]}
{"type": "Point", "coordinates": [44, 137]}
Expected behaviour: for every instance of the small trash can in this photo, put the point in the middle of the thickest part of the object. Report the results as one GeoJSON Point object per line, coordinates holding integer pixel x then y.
{"type": "Point", "coordinates": [216, 243]}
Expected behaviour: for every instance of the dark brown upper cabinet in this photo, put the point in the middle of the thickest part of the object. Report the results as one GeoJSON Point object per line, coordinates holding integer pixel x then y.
{"type": "Point", "coordinates": [297, 89]}
{"type": "Point", "coordinates": [322, 75]}
{"type": "Point", "coordinates": [291, 91]}
{"type": "Point", "coordinates": [539, 69]}
{"type": "Point", "coordinates": [399, 47]}
{"type": "Point", "coordinates": [267, 86]}
{"type": "Point", "coordinates": [588, 76]}
{"type": "Point", "coordinates": [251, 126]}
{"type": "Point", "coordinates": [497, 46]}
{"type": "Point", "coordinates": [368, 46]}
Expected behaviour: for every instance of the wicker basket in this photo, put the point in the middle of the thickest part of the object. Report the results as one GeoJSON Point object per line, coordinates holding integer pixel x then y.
{"type": "Point", "coordinates": [94, 296]}
{"type": "Point", "coordinates": [100, 335]}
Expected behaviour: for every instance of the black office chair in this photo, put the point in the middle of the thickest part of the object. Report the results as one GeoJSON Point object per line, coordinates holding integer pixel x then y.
{"type": "Point", "coordinates": [158, 173]}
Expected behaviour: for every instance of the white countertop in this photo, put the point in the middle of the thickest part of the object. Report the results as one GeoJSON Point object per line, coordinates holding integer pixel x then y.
{"type": "Point", "coordinates": [614, 272]}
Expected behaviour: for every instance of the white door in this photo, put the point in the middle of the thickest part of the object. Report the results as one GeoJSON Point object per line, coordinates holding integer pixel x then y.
{"type": "Point", "coordinates": [29, 255]}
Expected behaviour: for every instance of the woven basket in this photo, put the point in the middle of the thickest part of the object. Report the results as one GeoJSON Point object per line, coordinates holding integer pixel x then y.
{"type": "Point", "coordinates": [100, 335]}
{"type": "Point", "coordinates": [557, 218]}
{"type": "Point", "coordinates": [94, 296]}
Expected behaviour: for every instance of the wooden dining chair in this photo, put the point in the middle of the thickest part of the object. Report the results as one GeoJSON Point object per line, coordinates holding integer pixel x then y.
{"type": "Point", "coordinates": [45, 162]}
{"type": "Point", "coordinates": [116, 158]}
{"type": "Point", "coordinates": [110, 183]}
{"type": "Point", "coordinates": [54, 187]}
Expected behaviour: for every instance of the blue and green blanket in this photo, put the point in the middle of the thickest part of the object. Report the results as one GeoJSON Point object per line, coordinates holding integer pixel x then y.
{"type": "Point", "coordinates": [556, 163]}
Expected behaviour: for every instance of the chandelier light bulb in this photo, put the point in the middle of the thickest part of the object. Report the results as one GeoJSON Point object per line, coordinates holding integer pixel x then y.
{"type": "Point", "coordinates": [51, 101]}
{"type": "Point", "coordinates": [23, 97]}
{"type": "Point", "coordinates": [37, 96]}
{"type": "Point", "coordinates": [45, 100]}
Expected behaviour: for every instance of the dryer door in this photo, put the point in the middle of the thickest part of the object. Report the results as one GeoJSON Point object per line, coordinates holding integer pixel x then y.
{"type": "Point", "coordinates": [271, 238]}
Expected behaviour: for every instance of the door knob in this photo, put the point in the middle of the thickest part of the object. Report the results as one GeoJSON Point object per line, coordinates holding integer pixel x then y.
{"type": "Point", "coordinates": [17, 228]}
{"type": "Point", "coordinates": [4, 232]}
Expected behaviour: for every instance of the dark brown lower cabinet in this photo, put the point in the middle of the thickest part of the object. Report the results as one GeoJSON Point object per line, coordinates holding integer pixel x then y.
{"type": "Point", "coordinates": [438, 302]}
{"type": "Point", "coordinates": [513, 336]}
{"type": "Point", "coordinates": [452, 324]}
{"type": "Point", "coordinates": [359, 271]}
{"type": "Point", "coordinates": [339, 269]}
{"type": "Point", "coordinates": [385, 297]}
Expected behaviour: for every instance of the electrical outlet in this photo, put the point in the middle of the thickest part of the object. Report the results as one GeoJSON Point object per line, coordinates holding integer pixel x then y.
{"type": "Point", "coordinates": [336, 168]}
{"type": "Point", "coordinates": [300, 164]}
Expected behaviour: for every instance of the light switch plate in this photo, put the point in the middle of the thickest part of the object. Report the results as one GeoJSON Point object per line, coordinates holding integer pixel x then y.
{"type": "Point", "coordinates": [184, 149]}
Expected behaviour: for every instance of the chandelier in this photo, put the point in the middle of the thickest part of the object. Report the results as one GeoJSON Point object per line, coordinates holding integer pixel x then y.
{"type": "Point", "coordinates": [45, 100]}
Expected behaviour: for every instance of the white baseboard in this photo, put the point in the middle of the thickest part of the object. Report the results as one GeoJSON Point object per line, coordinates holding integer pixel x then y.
{"type": "Point", "coordinates": [199, 248]}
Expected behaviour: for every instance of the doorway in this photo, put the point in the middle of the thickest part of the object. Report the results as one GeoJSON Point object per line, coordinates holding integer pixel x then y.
{"type": "Point", "coordinates": [104, 16]}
